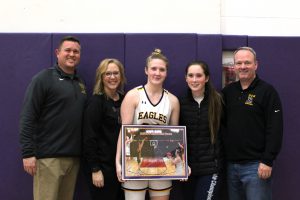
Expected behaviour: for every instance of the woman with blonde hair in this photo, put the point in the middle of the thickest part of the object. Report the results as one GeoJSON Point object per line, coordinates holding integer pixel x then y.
{"type": "Point", "coordinates": [101, 128]}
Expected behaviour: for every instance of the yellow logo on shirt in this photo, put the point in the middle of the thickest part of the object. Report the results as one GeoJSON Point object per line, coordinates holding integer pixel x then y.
{"type": "Point", "coordinates": [82, 88]}
{"type": "Point", "coordinates": [250, 99]}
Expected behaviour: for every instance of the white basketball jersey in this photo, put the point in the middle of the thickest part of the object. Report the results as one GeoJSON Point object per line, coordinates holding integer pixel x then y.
{"type": "Point", "coordinates": [147, 113]}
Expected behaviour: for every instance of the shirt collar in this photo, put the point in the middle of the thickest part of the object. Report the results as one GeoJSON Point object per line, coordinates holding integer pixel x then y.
{"type": "Point", "coordinates": [252, 85]}
{"type": "Point", "coordinates": [190, 95]}
{"type": "Point", "coordinates": [65, 75]}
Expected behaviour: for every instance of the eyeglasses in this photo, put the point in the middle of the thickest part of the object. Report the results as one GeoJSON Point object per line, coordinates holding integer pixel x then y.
{"type": "Point", "coordinates": [110, 74]}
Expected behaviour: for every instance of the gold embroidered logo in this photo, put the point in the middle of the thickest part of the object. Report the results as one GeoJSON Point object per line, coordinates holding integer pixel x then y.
{"type": "Point", "coordinates": [82, 88]}
{"type": "Point", "coordinates": [250, 99]}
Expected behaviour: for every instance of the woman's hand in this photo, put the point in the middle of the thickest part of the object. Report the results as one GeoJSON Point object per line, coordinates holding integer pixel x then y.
{"type": "Point", "coordinates": [98, 179]}
{"type": "Point", "coordinates": [119, 172]}
{"type": "Point", "coordinates": [189, 171]}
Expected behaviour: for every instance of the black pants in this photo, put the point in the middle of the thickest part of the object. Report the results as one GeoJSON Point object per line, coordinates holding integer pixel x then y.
{"type": "Point", "coordinates": [200, 188]}
{"type": "Point", "coordinates": [112, 187]}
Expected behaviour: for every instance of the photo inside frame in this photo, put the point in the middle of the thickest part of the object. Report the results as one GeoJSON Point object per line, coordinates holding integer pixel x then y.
{"type": "Point", "coordinates": [154, 152]}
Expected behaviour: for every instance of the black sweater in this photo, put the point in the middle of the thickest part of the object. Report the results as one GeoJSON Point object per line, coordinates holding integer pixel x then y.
{"type": "Point", "coordinates": [253, 121]}
{"type": "Point", "coordinates": [100, 131]}
{"type": "Point", "coordinates": [50, 124]}
{"type": "Point", "coordinates": [203, 157]}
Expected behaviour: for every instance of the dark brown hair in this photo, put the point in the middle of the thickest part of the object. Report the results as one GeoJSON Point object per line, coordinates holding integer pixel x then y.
{"type": "Point", "coordinates": [215, 102]}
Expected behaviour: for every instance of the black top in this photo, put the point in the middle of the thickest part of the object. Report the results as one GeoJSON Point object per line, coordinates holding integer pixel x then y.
{"type": "Point", "coordinates": [204, 158]}
{"type": "Point", "coordinates": [253, 121]}
{"type": "Point", "coordinates": [50, 124]}
{"type": "Point", "coordinates": [101, 130]}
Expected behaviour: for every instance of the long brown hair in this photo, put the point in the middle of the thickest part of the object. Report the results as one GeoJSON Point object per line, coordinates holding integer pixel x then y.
{"type": "Point", "coordinates": [215, 102]}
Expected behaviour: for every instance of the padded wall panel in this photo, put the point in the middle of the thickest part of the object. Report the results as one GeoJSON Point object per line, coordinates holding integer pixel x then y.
{"type": "Point", "coordinates": [232, 42]}
{"type": "Point", "coordinates": [278, 64]}
{"type": "Point", "coordinates": [179, 49]}
{"type": "Point", "coordinates": [95, 47]}
{"type": "Point", "coordinates": [22, 56]}
{"type": "Point", "coordinates": [209, 49]}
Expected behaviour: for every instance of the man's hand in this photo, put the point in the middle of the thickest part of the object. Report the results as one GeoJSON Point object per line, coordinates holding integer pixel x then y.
{"type": "Point", "coordinates": [29, 165]}
{"type": "Point", "coordinates": [264, 171]}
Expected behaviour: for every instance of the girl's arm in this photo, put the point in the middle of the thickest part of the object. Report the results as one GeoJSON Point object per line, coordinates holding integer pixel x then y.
{"type": "Point", "coordinates": [127, 114]}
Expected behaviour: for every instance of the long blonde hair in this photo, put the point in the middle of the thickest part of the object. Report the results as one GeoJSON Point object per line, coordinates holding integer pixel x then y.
{"type": "Point", "coordinates": [100, 72]}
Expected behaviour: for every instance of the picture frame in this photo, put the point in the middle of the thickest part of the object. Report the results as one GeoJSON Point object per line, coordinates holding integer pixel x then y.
{"type": "Point", "coordinates": [154, 152]}
{"type": "Point", "coordinates": [228, 72]}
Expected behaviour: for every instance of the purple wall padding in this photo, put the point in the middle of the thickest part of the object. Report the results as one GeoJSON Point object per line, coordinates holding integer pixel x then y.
{"type": "Point", "coordinates": [232, 42]}
{"type": "Point", "coordinates": [179, 49]}
{"type": "Point", "coordinates": [278, 64]}
{"type": "Point", "coordinates": [22, 56]}
{"type": "Point", "coordinates": [209, 49]}
{"type": "Point", "coordinates": [95, 47]}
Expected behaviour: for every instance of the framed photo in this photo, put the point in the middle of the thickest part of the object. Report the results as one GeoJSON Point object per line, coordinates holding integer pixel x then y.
{"type": "Point", "coordinates": [228, 73]}
{"type": "Point", "coordinates": [154, 152]}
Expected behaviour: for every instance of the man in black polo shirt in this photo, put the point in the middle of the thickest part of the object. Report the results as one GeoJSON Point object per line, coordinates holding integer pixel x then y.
{"type": "Point", "coordinates": [254, 129]}
{"type": "Point", "coordinates": [50, 125]}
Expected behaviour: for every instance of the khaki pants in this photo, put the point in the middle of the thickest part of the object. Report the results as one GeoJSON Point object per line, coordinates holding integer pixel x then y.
{"type": "Point", "coordinates": [55, 178]}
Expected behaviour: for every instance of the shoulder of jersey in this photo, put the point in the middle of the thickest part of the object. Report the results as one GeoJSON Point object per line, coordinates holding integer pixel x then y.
{"type": "Point", "coordinates": [140, 87]}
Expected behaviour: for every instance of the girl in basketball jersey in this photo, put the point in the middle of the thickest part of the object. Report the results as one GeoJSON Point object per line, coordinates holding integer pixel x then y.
{"type": "Point", "coordinates": [177, 161]}
{"type": "Point", "coordinates": [129, 139]}
{"type": "Point", "coordinates": [149, 104]}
